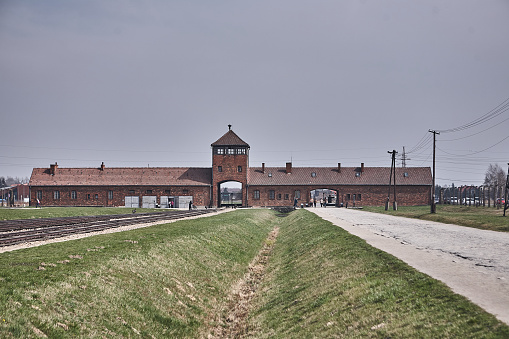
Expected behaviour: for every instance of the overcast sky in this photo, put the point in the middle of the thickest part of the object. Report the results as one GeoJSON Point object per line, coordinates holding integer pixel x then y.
{"type": "Point", "coordinates": [154, 83]}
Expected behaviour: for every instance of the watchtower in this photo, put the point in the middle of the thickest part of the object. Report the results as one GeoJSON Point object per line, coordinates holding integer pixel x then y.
{"type": "Point", "coordinates": [230, 161]}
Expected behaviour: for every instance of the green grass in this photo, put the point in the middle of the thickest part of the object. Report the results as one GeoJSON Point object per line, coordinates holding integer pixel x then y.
{"type": "Point", "coordinates": [324, 282]}
{"type": "Point", "coordinates": [478, 217]}
{"type": "Point", "coordinates": [54, 212]}
{"type": "Point", "coordinates": [165, 280]}
{"type": "Point", "coordinates": [174, 280]}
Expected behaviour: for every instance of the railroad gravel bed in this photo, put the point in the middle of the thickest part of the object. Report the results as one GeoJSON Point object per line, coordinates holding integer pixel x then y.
{"type": "Point", "coordinates": [472, 262]}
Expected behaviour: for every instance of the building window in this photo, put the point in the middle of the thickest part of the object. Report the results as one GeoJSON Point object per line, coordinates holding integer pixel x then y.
{"type": "Point", "coordinates": [149, 192]}
{"type": "Point", "coordinates": [39, 195]}
{"type": "Point", "coordinates": [359, 197]}
{"type": "Point", "coordinates": [167, 192]}
{"type": "Point", "coordinates": [287, 196]}
{"type": "Point", "coordinates": [96, 196]}
{"type": "Point", "coordinates": [110, 195]}
{"type": "Point", "coordinates": [186, 191]}
{"type": "Point", "coordinates": [348, 197]}
{"type": "Point", "coordinates": [219, 150]}
{"type": "Point", "coordinates": [73, 195]}
{"type": "Point", "coordinates": [131, 192]}
{"type": "Point", "coordinates": [272, 194]}
{"type": "Point", "coordinates": [231, 150]}
{"type": "Point", "coordinates": [313, 174]}
{"type": "Point", "coordinates": [239, 168]}
{"type": "Point", "coordinates": [256, 195]}
{"type": "Point", "coordinates": [241, 151]}
{"type": "Point", "coordinates": [297, 194]}
{"type": "Point", "coordinates": [279, 196]}
{"type": "Point", "coordinates": [219, 168]}
{"type": "Point", "coordinates": [56, 195]}
{"type": "Point", "coordinates": [88, 196]}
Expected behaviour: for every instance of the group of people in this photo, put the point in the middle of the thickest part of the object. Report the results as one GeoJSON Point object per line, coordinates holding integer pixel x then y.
{"type": "Point", "coordinates": [323, 202]}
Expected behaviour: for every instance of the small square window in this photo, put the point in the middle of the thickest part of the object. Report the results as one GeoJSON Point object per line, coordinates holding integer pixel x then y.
{"type": "Point", "coordinates": [313, 174]}
{"type": "Point", "coordinates": [149, 191]}
{"type": "Point", "coordinates": [219, 168]}
{"type": "Point", "coordinates": [96, 196]}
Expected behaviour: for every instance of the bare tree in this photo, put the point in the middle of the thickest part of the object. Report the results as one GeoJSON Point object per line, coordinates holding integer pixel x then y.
{"type": "Point", "coordinates": [495, 175]}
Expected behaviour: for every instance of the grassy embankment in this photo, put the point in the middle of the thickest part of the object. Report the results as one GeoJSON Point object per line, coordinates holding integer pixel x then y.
{"type": "Point", "coordinates": [54, 212]}
{"type": "Point", "coordinates": [478, 217]}
{"type": "Point", "coordinates": [175, 280]}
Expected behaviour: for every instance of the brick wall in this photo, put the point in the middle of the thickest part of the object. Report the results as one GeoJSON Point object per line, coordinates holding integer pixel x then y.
{"type": "Point", "coordinates": [229, 172]}
{"type": "Point", "coordinates": [370, 195]}
{"type": "Point", "coordinates": [98, 195]}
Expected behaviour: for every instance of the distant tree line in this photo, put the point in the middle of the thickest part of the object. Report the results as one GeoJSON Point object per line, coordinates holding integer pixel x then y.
{"type": "Point", "coordinates": [492, 191]}
{"type": "Point", "coordinates": [9, 181]}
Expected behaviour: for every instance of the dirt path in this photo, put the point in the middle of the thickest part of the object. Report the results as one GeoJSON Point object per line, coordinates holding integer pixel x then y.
{"type": "Point", "coordinates": [472, 262]}
{"type": "Point", "coordinates": [232, 323]}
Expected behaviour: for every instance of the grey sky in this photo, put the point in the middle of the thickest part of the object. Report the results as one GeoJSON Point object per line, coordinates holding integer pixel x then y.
{"type": "Point", "coordinates": [316, 82]}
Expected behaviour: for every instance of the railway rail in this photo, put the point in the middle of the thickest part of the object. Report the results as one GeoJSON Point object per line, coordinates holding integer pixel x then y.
{"type": "Point", "coordinates": [19, 231]}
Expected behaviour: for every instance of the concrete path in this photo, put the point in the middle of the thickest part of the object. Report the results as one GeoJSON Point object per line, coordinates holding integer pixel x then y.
{"type": "Point", "coordinates": [472, 262]}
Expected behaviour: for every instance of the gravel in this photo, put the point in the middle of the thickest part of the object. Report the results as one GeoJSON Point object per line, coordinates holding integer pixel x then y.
{"type": "Point", "coordinates": [472, 262]}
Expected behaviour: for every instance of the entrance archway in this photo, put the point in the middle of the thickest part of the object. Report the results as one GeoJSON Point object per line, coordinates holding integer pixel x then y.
{"type": "Point", "coordinates": [325, 197]}
{"type": "Point", "coordinates": [230, 194]}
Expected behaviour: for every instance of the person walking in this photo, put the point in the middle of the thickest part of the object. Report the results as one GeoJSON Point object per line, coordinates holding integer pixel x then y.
{"type": "Point", "coordinates": [190, 205]}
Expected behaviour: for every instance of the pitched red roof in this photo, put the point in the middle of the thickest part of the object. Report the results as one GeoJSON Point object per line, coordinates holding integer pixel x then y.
{"type": "Point", "coordinates": [153, 176]}
{"type": "Point", "coordinates": [327, 176]}
{"type": "Point", "coordinates": [230, 139]}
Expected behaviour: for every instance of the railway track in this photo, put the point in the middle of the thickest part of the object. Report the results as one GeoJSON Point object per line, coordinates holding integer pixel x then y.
{"type": "Point", "coordinates": [19, 231]}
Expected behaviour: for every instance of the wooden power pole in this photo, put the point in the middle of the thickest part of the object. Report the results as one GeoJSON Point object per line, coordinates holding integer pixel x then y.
{"type": "Point", "coordinates": [433, 205]}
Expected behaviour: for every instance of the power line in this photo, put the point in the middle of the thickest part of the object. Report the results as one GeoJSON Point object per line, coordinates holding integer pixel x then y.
{"type": "Point", "coordinates": [501, 108]}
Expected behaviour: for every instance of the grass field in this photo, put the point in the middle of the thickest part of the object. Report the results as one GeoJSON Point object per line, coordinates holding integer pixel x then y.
{"type": "Point", "coordinates": [53, 212]}
{"type": "Point", "coordinates": [176, 280]}
{"type": "Point", "coordinates": [478, 217]}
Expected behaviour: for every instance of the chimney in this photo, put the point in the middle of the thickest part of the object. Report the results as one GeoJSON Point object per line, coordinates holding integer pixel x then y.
{"type": "Point", "coordinates": [362, 167]}
{"type": "Point", "coordinates": [263, 167]}
{"type": "Point", "coordinates": [288, 167]}
{"type": "Point", "coordinates": [102, 166]}
{"type": "Point", "coordinates": [53, 168]}
{"type": "Point", "coordinates": [339, 167]}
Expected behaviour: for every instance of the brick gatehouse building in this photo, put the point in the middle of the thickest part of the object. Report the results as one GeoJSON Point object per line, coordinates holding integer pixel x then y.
{"type": "Point", "coordinates": [261, 186]}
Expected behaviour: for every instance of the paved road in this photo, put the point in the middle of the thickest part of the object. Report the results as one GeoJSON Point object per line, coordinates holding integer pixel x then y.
{"type": "Point", "coordinates": [472, 262]}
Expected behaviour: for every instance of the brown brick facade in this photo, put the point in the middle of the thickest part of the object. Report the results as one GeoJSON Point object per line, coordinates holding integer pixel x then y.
{"type": "Point", "coordinates": [369, 195]}
{"type": "Point", "coordinates": [101, 196]}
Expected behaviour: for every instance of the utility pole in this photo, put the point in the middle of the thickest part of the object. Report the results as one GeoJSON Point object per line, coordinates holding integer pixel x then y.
{"type": "Point", "coordinates": [433, 205]}
{"type": "Point", "coordinates": [506, 188]}
{"type": "Point", "coordinates": [393, 174]}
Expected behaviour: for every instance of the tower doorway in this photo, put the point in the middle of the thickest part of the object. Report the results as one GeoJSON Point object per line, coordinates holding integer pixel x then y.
{"type": "Point", "coordinates": [230, 194]}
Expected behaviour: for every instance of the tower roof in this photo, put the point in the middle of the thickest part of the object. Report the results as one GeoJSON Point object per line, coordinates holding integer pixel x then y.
{"type": "Point", "coordinates": [230, 139]}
